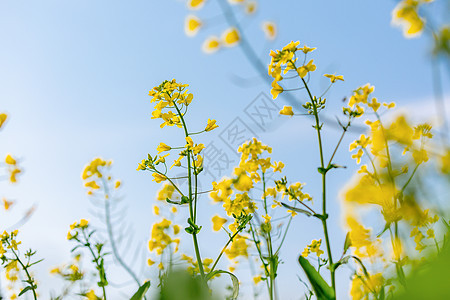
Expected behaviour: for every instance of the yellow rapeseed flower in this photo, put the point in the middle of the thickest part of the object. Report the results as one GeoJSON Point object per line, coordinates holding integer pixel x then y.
{"type": "Point", "coordinates": [3, 118]}
{"type": "Point", "coordinates": [333, 77]}
{"type": "Point", "coordinates": [218, 222]}
{"type": "Point", "coordinates": [211, 125]}
{"type": "Point", "coordinates": [7, 204]}
{"type": "Point", "coordinates": [192, 25]}
{"type": "Point", "coordinates": [158, 177]}
{"type": "Point", "coordinates": [12, 176]}
{"type": "Point", "coordinates": [195, 4]}
{"type": "Point", "coordinates": [287, 110]}
{"type": "Point", "coordinates": [406, 15]}
{"type": "Point", "coordinates": [250, 7]}
{"type": "Point", "coordinates": [211, 44]}
{"type": "Point", "coordinates": [276, 89]}
{"type": "Point", "coordinates": [231, 37]}
{"type": "Point", "coordinates": [84, 223]}
{"type": "Point", "coordinates": [269, 29]}
{"type": "Point", "coordinates": [162, 147]}
{"type": "Point", "coordinates": [150, 262]}
{"type": "Point", "coordinates": [304, 70]}
{"type": "Point", "coordinates": [10, 160]}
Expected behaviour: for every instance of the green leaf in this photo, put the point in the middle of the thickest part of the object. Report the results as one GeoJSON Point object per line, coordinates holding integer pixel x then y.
{"type": "Point", "coordinates": [386, 227]}
{"type": "Point", "coordinates": [173, 202]}
{"type": "Point", "coordinates": [322, 171]}
{"type": "Point", "coordinates": [141, 291]}
{"type": "Point", "coordinates": [234, 279]}
{"type": "Point", "coordinates": [321, 288]}
{"type": "Point", "coordinates": [26, 289]}
{"type": "Point", "coordinates": [299, 210]}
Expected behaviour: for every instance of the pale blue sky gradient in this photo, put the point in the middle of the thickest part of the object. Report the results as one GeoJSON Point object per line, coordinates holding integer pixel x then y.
{"type": "Point", "coordinates": [75, 76]}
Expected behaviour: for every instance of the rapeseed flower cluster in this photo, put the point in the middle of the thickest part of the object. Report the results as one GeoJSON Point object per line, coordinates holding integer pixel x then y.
{"type": "Point", "coordinates": [12, 168]}
{"type": "Point", "coordinates": [230, 36]}
{"type": "Point", "coordinates": [252, 227]}
{"type": "Point", "coordinates": [96, 177]}
{"type": "Point", "coordinates": [17, 266]}
{"type": "Point", "coordinates": [314, 247]}
{"type": "Point", "coordinates": [160, 238]}
{"type": "Point", "coordinates": [395, 152]}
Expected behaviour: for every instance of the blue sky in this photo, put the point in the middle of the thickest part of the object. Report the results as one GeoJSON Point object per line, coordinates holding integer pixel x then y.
{"type": "Point", "coordinates": [75, 77]}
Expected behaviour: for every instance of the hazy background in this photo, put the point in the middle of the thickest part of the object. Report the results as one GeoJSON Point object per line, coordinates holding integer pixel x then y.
{"type": "Point", "coordinates": [75, 76]}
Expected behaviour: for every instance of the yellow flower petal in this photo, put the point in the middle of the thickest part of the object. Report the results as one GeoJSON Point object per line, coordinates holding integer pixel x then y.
{"type": "Point", "coordinates": [231, 37]}
{"type": "Point", "coordinates": [211, 45]}
{"type": "Point", "coordinates": [192, 25]}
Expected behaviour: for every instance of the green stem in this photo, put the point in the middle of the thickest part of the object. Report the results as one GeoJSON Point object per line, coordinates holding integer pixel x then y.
{"type": "Point", "coordinates": [111, 235]}
{"type": "Point", "coordinates": [99, 267]}
{"type": "Point", "coordinates": [324, 202]}
{"type": "Point", "coordinates": [223, 250]}
{"type": "Point", "coordinates": [338, 144]}
{"type": "Point", "coordinates": [191, 209]}
{"type": "Point", "coordinates": [25, 268]}
{"type": "Point", "coordinates": [257, 244]}
{"type": "Point", "coordinates": [269, 245]}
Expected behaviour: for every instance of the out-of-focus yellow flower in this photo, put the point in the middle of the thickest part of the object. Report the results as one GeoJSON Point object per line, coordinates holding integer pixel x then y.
{"type": "Point", "coordinates": [117, 184]}
{"type": "Point", "coordinates": [150, 262]}
{"type": "Point", "coordinates": [218, 222]}
{"type": "Point", "coordinates": [292, 212]}
{"type": "Point", "coordinates": [166, 192]}
{"type": "Point", "coordinates": [231, 37]}
{"type": "Point", "coordinates": [3, 118]}
{"type": "Point", "coordinates": [92, 168]}
{"type": "Point", "coordinates": [92, 296]}
{"type": "Point", "coordinates": [92, 184]}
{"type": "Point", "coordinates": [270, 30]}
{"type": "Point", "coordinates": [195, 4]}
{"type": "Point", "coordinates": [257, 279]}
{"type": "Point", "coordinates": [13, 175]}
{"type": "Point", "coordinates": [192, 25]}
{"type": "Point", "coordinates": [266, 218]}
{"type": "Point", "coordinates": [238, 248]}
{"type": "Point", "coordinates": [156, 210]}
{"type": "Point", "coordinates": [7, 204]}
{"type": "Point", "coordinates": [84, 223]}
{"type": "Point", "coordinates": [10, 160]}
{"type": "Point", "coordinates": [333, 77]}
{"type": "Point", "coordinates": [406, 15]}
{"type": "Point", "coordinates": [445, 162]}
{"type": "Point", "coordinates": [287, 110]}
{"type": "Point", "coordinates": [160, 238]}
{"type": "Point", "coordinates": [250, 7]}
{"type": "Point", "coordinates": [211, 44]}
